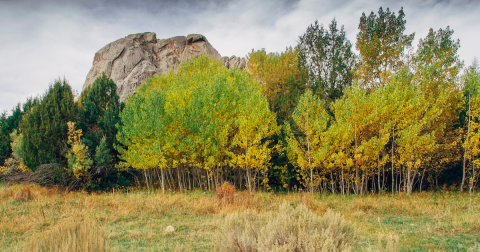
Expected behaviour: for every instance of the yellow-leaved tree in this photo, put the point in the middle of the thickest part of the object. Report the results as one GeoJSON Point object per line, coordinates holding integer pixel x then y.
{"type": "Point", "coordinates": [307, 149]}
{"type": "Point", "coordinates": [79, 161]}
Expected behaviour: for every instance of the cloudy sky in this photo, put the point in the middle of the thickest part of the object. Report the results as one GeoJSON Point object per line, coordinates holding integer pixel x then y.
{"type": "Point", "coordinates": [41, 41]}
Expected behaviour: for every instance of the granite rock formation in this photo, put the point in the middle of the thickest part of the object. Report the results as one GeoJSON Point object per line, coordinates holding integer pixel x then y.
{"type": "Point", "coordinates": [131, 60]}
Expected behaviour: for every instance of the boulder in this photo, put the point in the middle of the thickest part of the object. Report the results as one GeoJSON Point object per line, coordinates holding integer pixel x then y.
{"type": "Point", "coordinates": [131, 60]}
{"type": "Point", "coordinates": [170, 229]}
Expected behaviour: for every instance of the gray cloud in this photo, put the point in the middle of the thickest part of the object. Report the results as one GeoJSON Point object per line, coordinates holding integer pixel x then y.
{"type": "Point", "coordinates": [42, 41]}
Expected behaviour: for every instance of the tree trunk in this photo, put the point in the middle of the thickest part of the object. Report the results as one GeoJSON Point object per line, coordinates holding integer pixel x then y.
{"type": "Point", "coordinates": [308, 156]}
{"type": "Point", "coordinates": [393, 173]}
{"type": "Point", "coordinates": [465, 149]}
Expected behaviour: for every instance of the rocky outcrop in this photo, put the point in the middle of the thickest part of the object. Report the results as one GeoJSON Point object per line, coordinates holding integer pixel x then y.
{"type": "Point", "coordinates": [234, 62]}
{"type": "Point", "coordinates": [131, 60]}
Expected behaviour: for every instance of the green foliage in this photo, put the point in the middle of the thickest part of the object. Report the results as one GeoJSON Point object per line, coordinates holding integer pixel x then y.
{"type": "Point", "coordinates": [307, 150]}
{"type": "Point", "coordinates": [204, 116]}
{"type": "Point", "coordinates": [471, 142]}
{"type": "Point", "coordinates": [5, 141]}
{"type": "Point", "coordinates": [103, 157]}
{"type": "Point", "coordinates": [44, 126]}
{"type": "Point", "coordinates": [99, 107]}
{"type": "Point", "coordinates": [391, 121]}
{"type": "Point", "coordinates": [326, 55]}
{"type": "Point", "coordinates": [9, 124]}
{"type": "Point", "coordinates": [381, 43]}
{"type": "Point", "coordinates": [17, 142]}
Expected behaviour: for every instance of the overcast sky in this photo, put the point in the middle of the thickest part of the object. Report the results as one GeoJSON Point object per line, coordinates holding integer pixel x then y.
{"type": "Point", "coordinates": [41, 41]}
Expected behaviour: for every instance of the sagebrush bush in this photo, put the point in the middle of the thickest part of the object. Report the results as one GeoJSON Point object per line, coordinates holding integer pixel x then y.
{"type": "Point", "coordinates": [291, 229]}
{"type": "Point", "coordinates": [71, 236]}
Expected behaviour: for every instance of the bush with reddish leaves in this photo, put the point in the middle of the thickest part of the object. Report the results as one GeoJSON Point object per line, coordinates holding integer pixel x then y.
{"type": "Point", "coordinates": [224, 193]}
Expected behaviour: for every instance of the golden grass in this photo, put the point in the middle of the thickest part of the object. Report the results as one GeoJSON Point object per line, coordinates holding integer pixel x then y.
{"type": "Point", "coordinates": [136, 221]}
{"type": "Point", "coordinates": [288, 229]}
{"type": "Point", "coordinates": [71, 236]}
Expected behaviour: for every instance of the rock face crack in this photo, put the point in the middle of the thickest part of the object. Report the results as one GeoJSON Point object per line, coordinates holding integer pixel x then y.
{"type": "Point", "coordinates": [141, 59]}
{"type": "Point", "coordinates": [113, 61]}
{"type": "Point", "coordinates": [142, 55]}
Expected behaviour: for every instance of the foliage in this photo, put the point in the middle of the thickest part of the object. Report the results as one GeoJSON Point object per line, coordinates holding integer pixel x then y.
{"type": "Point", "coordinates": [9, 124]}
{"type": "Point", "coordinates": [204, 116]}
{"type": "Point", "coordinates": [224, 193]}
{"type": "Point", "coordinates": [396, 119]}
{"type": "Point", "coordinates": [103, 157]}
{"type": "Point", "coordinates": [44, 127]}
{"type": "Point", "coordinates": [308, 149]}
{"type": "Point", "coordinates": [471, 143]}
{"type": "Point", "coordinates": [281, 79]}
{"type": "Point", "coordinates": [326, 55]}
{"type": "Point", "coordinates": [99, 107]}
{"type": "Point", "coordinates": [282, 83]}
{"type": "Point", "coordinates": [381, 43]}
{"type": "Point", "coordinates": [79, 161]}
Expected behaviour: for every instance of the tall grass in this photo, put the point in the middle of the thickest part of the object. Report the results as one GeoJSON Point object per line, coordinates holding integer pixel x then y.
{"type": "Point", "coordinates": [290, 229]}
{"type": "Point", "coordinates": [71, 236]}
{"type": "Point", "coordinates": [136, 220]}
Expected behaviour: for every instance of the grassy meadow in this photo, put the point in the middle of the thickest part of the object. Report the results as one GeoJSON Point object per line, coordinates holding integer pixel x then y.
{"type": "Point", "coordinates": [136, 220]}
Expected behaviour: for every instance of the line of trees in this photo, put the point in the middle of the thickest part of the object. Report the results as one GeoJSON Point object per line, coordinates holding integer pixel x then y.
{"type": "Point", "coordinates": [318, 117]}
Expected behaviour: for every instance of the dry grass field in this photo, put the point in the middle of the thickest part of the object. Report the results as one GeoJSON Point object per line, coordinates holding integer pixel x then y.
{"type": "Point", "coordinates": [34, 218]}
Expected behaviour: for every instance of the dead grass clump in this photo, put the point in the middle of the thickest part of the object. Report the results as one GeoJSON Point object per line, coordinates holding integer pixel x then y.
{"type": "Point", "coordinates": [24, 194]}
{"type": "Point", "coordinates": [291, 229]}
{"type": "Point", "coordinates": [6, 193]}
{"type": "Point", "coordinates": [363, 206]}
{"type": "Point", "coordinates": [71, 236]}
{"type": "Point", "coordinates": [245, 199]}
{"type": "Point", "coordinates": [224, 194]}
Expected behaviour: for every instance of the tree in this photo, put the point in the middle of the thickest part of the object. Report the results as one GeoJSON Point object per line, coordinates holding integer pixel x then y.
{"type": "Point", "coordinates": [312, 120]}
{"type": "Point", "coordinates": [381, 43]}
{"type": "Point", "coordinates": [326, 55]}
{"type": "Point", "coordinates": [417, 141]}
{"type": "Point", "coordinates": [351, 114]}
{"type": "Point", "coordinates": [5, 150]}
{"type": "Point", "coordinates": [9, 124]}
{"type": "Point", "coordinates": [203, 123]}
{"type": "Point", "coordinates": [99, 108]}
{"type": "Point", "coordinates": [44, 126]}
{"type": "Point", "coordinates": [141, 135]}
{"type": "Point", "coordinates": [103, 157]}
{"type": "Point", "coordinates": [282, 83]}
{"type": "Point", "coordinates": [437, 66]}
{"type": "Point", "coordinates": [471, 143]}
{"type": "Point", "coordinates": [79, 161]}
{"type": "Point", "coordinates": [255, 123]}
{"type": "Point", "coordinates": [281, 80]}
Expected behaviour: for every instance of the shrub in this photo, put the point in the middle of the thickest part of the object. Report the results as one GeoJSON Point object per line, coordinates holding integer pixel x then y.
{"type": "Point", "coordinates": [45, 175]}
{"type": "Point", "coordinates": [71, 236]}
{"type": "Point", "coordinates": [224, 193]}
{"type": "Point", "coordinates": [291, 229]}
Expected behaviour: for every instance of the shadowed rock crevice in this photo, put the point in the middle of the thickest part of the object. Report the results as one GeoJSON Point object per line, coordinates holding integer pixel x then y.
{"type": "Point", "coordinates": [131, 60]}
